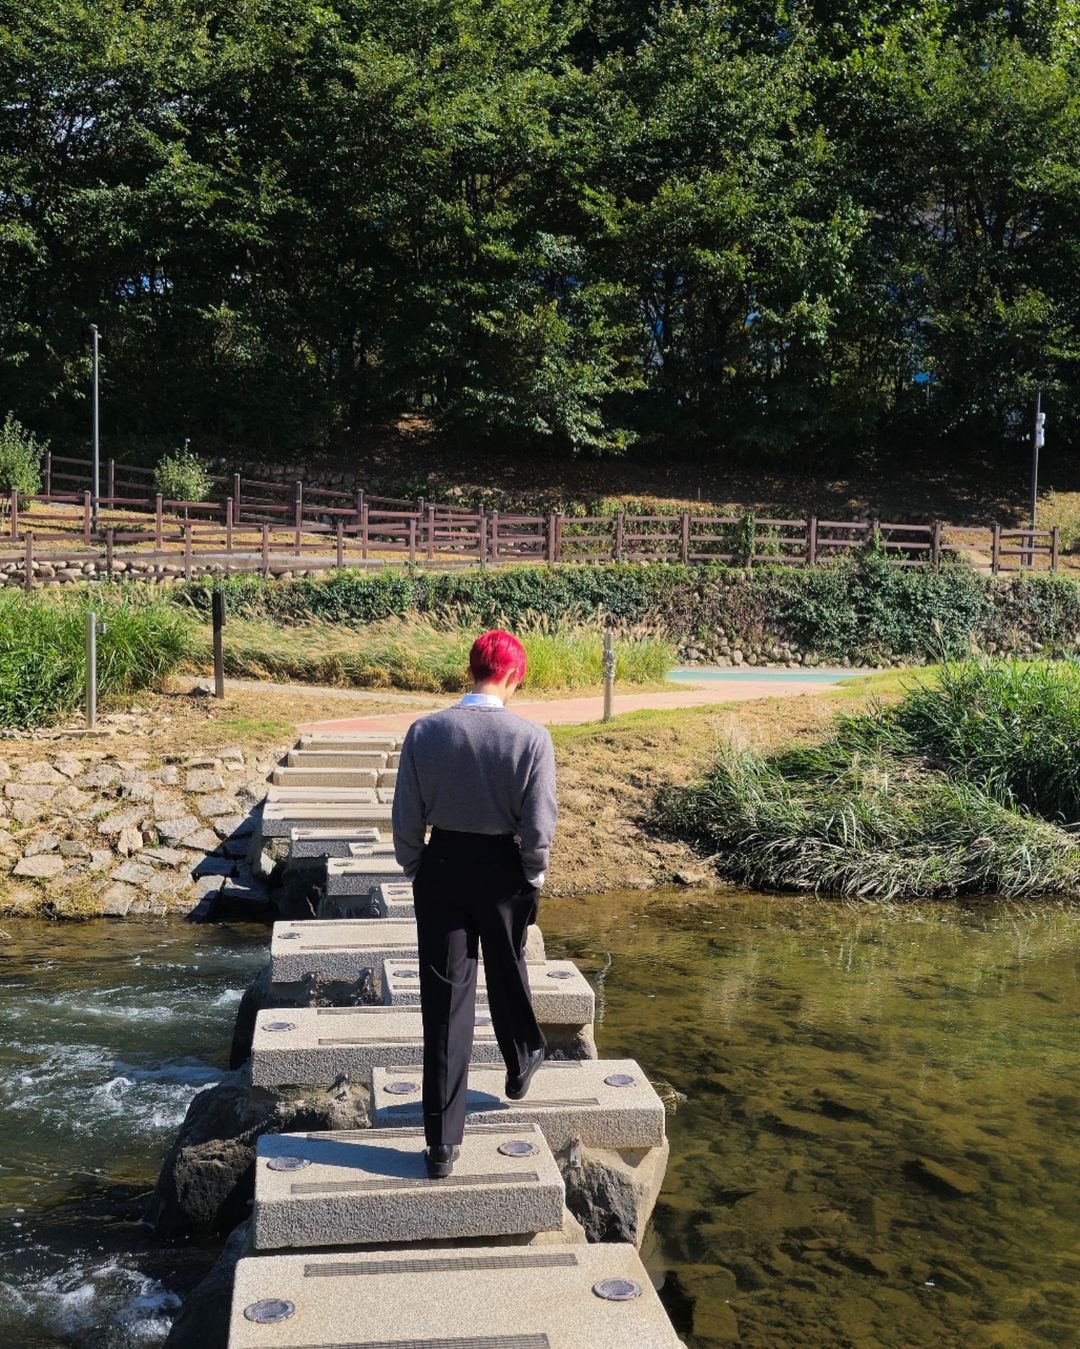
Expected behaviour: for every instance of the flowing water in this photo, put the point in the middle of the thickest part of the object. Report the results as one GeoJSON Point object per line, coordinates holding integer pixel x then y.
{"type": "Point", "coordinates": [875, 1137]}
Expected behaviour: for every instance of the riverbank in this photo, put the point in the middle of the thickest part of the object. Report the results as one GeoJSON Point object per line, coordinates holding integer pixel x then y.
{"type": "Point", "coordinates": [81, 815]}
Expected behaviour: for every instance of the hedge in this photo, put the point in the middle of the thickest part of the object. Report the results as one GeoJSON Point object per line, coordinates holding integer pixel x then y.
{"type": "Point", "coordinates": [867, 610]}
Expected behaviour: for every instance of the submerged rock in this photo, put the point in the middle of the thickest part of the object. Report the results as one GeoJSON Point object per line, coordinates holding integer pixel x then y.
{"type": "Point", "coordinates": [208, 1177]}
{"type": "Point", "coordinates": [940, 1178]}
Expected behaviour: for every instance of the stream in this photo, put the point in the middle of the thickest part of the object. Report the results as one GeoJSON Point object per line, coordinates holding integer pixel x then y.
{"type": "Point", "coordinates": [874, 1136]}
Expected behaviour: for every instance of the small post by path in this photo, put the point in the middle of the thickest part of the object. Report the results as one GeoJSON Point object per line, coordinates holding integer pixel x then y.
{"type": "Point", "coordinates": [609, 674]}
{"type": "Point", "coordinates": [91, 670]}
{"type": "Point", "coordinates": [218, 603]}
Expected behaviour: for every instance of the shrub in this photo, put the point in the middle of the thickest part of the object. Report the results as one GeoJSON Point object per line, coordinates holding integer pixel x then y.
{"type": "Point", "coordinates": [182, 476]}
{"type": "Point", "coordinates": [20, 459]}
{"type": "Point", "coordinates": [43, 652]}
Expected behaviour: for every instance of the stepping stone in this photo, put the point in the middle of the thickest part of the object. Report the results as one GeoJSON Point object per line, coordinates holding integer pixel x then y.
{"type": "Point", "coordinates": [318, 796]}
{"type": "Point", "coordinates": [341, 949]}
{"type": "Point", "coordinates": [337, 758]}
{"type": "Point", "coordinates": [603, 1103]}
{"type": "Point", "coordinates": [360, 875]}
{"type": "Point", "coordinates": [561, 995]}
{"type": "Point", "coordinates": [394, 900]}
{"type": "Point", "coordinates": [325, 777]}
{"type": "Point", "coordinates": [483, 1297]}
{"type": "Point", "coordinates": [372, 1186]}
{"type": "Point", "coordinates": [279, 820]}
{"type": "Point", "coordinates": [314, 1046]}
{"type": "Point", "coordinates": [364, 741]}
{"type": "Point", "coordinates": [319, 843]}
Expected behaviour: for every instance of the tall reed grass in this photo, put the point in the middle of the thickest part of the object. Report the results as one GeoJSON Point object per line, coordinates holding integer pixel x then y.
{"type": "Point", "coordinates": [43, 652]}
{"type": "Point", "coordinates": [964, 787]}
{"type": "Point", "coordinates": [421, 658]}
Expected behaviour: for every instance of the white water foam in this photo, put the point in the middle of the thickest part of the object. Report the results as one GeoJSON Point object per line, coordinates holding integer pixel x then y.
{"type": "Point", "coordinates": [107, 1305]}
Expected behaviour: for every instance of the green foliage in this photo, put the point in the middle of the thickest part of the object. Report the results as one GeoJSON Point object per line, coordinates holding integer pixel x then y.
{"type": "Point", "coordinates": [962, 788]}
{"type": "Point", "coordinates": [43, 652]}
{"type": "Point", "coordinates": [562, 226]}
{"type": "Point", "coordinates": [182, 476]}
{"type": "Point", "coordinates": [425, 658]}
{"type": "Point", "coordinates": [20, 459]}
{"type": "Point", "coordinates": [864, 609]}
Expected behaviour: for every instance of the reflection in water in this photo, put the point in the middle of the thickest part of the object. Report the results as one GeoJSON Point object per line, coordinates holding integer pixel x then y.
{"type": "Point", "coordinates": [877, 1144]}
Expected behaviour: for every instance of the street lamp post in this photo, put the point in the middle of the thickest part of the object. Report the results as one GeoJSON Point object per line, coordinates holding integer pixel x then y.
{"type": "Point", "coordinates": [1038, 440]}
{"type": "Point", "coordinates": [95, 485]}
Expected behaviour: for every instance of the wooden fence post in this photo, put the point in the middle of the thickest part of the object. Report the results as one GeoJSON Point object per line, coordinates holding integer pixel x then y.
{"type": "Point", "coordinates": [935, 546]}
{"type": "Point", "coordinates": [619, 526]}
{"type": "Point", "coordinates": [1055, 543]}
{"type": "Point", "coordinates": [14, 515]}
{"type": "Point", "coordinates": [265, 551]}
{"type": "Point", "coordinates": [187, 550]}
{"type": "Point", "coordinates": [158, 522]}
{"type": "Point", "coordinates": [482, 527]}
{"type": "Point", "coordinates": [339, 530]}
{"type": "Point", "coordinates": [995, 550]}
{"type": "Point", "coordinates": [298, 522]}
{"type": "Point", "coordinates": [110, 544]}
{"type": "Point", "coordinates": [111, 479]}
{"type": "Point", "coordinates": [86, 518]}
{"type": "Point", "coordinates": [551, 538]}
{"type": "Point", "coordinates": [412, 539]}
{"type": "Point", "coordinates": [811, 541]}
{"type": "Point", "coordinates": [28, 576]}
{"type": "Point", "coordinates": [229, 516]}
{"type": "Point", "coordinates": [364, 513]}
{"type": "Point", "coordinates": [558, 535]}
{"type": "Point", "coordinates": [236, 495]}
{"type": "Point", "coordinates": [685, 540]}
{"type": "Point", "coordinates": [431, 533]}
{"type": "Point", "coordinates": [48, 473]}
{"type": "Point", "coordinates": [494, 538]}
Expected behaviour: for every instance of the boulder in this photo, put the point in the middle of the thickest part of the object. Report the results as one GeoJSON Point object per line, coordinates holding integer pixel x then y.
{"type": "Point", "coordinates": [613, 1193]}
{"type": "Point", "coordinates": [208, 1177]}
{"type": "Point", "coordinates": [203, 1320]}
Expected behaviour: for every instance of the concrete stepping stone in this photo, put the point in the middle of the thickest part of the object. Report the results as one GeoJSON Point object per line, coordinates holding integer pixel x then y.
{"type": "Point", "coordinates": [325, 777]}
{"type": "Point", "coordinates": [315, 844]}
{"type": "Point", "coordinates": [603, 1103]}
{"type": "Point", "coordinates": [394, 900]}
{"type": "Point", "coordinates": [339, 949]}
{"type": "Point", "coordinates": [318, 796]}
{"type": "Point", "coordinates": [336, 758]}
{"type": "Point", "coordinates": [360, 875]}
{"type": "Point", "coordinates": [280, 819]}
{"type": "Point", "coordinates": [367, 741]}
{"type": "Point", "coordinates": [314, 1046]}
{"type": "Point", "coordinates": [561, 995]}
{"type": "Point", "coordinates": [373, 1186]}
{"type": "Point", "coordinates": [554, 1297]}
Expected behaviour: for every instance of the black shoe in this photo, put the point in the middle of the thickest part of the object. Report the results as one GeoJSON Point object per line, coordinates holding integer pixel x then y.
{"type": "Point", "coordinates": [516, 1087]}
{"type": "Point", "coordinates": [440, 1160]}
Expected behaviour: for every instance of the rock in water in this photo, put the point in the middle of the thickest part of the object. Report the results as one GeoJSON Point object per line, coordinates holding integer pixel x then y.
{"type": "Point", "coordinates": [203, 1321]}
{"type": "Point", "coordinates": [208, 1176]}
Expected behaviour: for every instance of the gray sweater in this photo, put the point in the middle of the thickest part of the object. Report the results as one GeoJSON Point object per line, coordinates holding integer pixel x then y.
{"type": "Point", "coordinates": [476, 770]}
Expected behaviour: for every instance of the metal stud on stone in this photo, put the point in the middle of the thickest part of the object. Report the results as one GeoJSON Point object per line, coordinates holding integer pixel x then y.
{"type": "Point", "coordinates": [408, 974]}
{"type": "Point", "coordinates": [560, 974]}
{"type": "Point", "coordinates": [287, 1163]}
{"type": "Point", "coordinates": [482, 1021]}
{"type": "Point", "coordinates": [617, 1290]}
{"type": "Point", "coordinates": [288, 936]}
{"type": "Point", "coordinates": [518, 1147]}
{"type": "Point", "coordinates": [280, 1025]}
{"type": "Point", "coordinates": [620, 1080]}
{"type": "Point", "coordinates": [400, 1088]}
{"type": "Point", "coordinates": [269, 1311]}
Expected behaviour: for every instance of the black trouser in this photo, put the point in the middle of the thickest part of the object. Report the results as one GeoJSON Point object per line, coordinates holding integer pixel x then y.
{"type": "Point", "coordinates": [470, 888]}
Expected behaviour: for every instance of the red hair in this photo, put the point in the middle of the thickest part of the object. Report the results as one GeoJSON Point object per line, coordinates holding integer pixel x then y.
{"type": "Point", "coordinates": [496, 654]}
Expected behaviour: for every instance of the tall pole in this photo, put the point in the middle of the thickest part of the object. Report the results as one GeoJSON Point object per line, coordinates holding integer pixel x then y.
{"type": "Point", "coordinates": [91, 670]}
{"type": "Point", "coordinates": [609, 673]}
{"type": "Point", "coordinates": [95, 486]}
{"type": "Point", "coordinates": [1038, 440]}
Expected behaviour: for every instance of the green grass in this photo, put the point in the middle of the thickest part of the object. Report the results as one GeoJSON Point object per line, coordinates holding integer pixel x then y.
{"type": "Point", "coordinates": [420, 658]}
{"type": "Point", "coordinates": [970, 785]}
{"type": "Point", "coordinates": [43, 652]}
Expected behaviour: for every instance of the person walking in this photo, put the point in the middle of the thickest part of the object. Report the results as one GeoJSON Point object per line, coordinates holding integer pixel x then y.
{"type": "Point", "coordinates": [483, 780]}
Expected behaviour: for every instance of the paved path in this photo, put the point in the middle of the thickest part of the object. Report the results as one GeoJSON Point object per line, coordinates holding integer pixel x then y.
{"type": "Point", "coordinates": [704, 687]}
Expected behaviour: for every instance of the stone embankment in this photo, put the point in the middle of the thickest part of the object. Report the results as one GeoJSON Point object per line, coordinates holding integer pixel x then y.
{"type": "Point", "coordinates": [55, 572]}
{"type": "Point", "coordinates": [311, 1151]}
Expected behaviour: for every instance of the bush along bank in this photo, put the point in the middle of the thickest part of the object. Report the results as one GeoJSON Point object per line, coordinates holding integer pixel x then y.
{"type": "Point", "coordinates": [864, 612]}
{"type": "Point", "coordinates": [969, 786]}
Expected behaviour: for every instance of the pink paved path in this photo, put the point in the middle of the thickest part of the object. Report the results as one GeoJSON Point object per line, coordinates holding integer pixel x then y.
{"type": "Point", "coordinates": [568, 711]}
